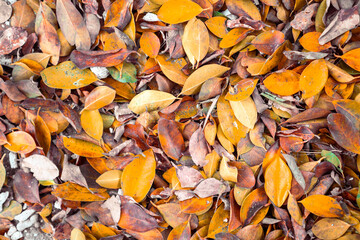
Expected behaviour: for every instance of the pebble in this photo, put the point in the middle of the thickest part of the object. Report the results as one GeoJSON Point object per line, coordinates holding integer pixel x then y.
{"type": "Point", "coordinates": [21, 226]}
{"type": "Point", "coordinates": [3, 197]}
{"type": "Point", "coordinates": [16, 236]}
{"type": "Point", "coordinates": [11, 230]}
{"type": "Point", "coordinates": [100, 72]}
{"type": "Point", "coordinates": [24, 215]}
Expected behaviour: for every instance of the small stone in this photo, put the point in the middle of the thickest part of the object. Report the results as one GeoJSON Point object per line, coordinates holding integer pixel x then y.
{"type": "Point", "coordinates": [28, 223]}
{"type": "Point", "coordinates": [24, 215]}
{"type": "Point", "coordinates": [16, 236]}
{"type": "Point", "coordinates": [11, 230]}
{"type": "Point", "coordinates": [100, 72]}
{"type": "Point", "coordinates": [3, 197]}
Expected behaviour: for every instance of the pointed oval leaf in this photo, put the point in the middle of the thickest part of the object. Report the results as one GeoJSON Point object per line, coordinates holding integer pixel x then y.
{"type": "Point", "coordinates": [67, 76]}
{"type": "Point", "coordinates": [323, 206]}
{"type": "Point", "coordinates": [110, 179]}
{"type": "Point", "coordinates": [138, 176]}
{"type": "Point", "coordinates": [20, 142]}
{"type": "Point", "coordinates": [99, 97]}
{"type": "Point", "coordinates": [245, 111]}
{"type": "Point", "coordinates": [195, 40]}
{"type": "Point", "coordinates": [278, 181]}
{"type": "Point", "coordinates": [92, 123]}
{"type": "Point", "coordinates": [83, 148]}
{"type": "Point", "coordinates": [351, 58]}
{"type": "Point", "coordinates": [231, 127]}
{"type": "Point", "coordinates": [178, 11]}
{"type": "Point", "coordinates": [284, 82]}
{"type": "Point", "coordinates": [330, 228]}
{"type": "Point", "coordinates": [150, 100]}
{"type": "Point", "coordinates": [172, 68]}
{"type": "Point", "coordinates": [170, 138]}
{"type": "Point", "coordinates": [150, 44]}
{"type": "Point", "coordinates": [196, 79]}
{"type": "Point", "coordinates": [313, 78]}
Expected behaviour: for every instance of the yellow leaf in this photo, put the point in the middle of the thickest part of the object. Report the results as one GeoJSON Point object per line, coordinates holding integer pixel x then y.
{"type": "Point", "coordinates": [351, 58]}
{"type": "Point", "coordinates": [20, 142]}
{"type": "Point", "coordinates": [227, 172]}
{"type": "Point", "coordinates": [284, 82]}
{"type": "Point", "coordinates": [330, 228]}
{"type": "Point", "coordinates": [313, 78]}
{"type": "Point", "coordinates": [294, 209]}
{"type": "Point", "coordinates": [178, 11]}
{"type": "Point", "coordinates": [172, 214]}
{"type": "Point", "coordinates": [2, 174]}
{"type": "Point", "coordinates": [323, 206]}
{"type": "Point", "coordinates": [219, 222]}
{"type": "Point", "coordinates": [183, 231]}
{"type": "Point", "coordinates": [150, 100]}
{"type": "Point", "coordinates": [277, 181]}
{"type": "Point", "coordinates": [246, 6]}
{"type": "Point", "coordinates": [110, 179]}
{"type": "Point", "coordinates": [77, 234]}
{"type": "Point", "coordinates": [213, 163]}
{"type": "Point", "coordinates": [196, 79]}
{"type": "Point", "coordinates": [99, 97]}
{"type": "Point", "coordinates": [195, 40]}
{"type": "Point", "coordinates": [92, 123]}
{"type": "Point", "coordinates": [138, 176]}
{"type": "Point", "coordinates": [230, 126]}
{"type": "Point", "coordinates": [217, 25]}
{"type": "Point", "coordinates": [83, 148]}
{"type": "Point", "coordinates": [67, 76]}
{"type": "Point", "coordinates": [101, 231]}
{"type": "Point", "coordinates": [245, 111]}
{"type": "Point", "coordinates": [172, 68]}
{"type": "Point", "coordinates": [74, 192]}
{"type": "Point", "coordinates": [150, 44]}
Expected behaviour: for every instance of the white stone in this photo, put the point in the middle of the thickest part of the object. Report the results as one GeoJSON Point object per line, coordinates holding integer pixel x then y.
{"type": "Point", "coordinates": [100, 72]}
{"type": "Point", "coordinates": [16, 236]}
{"type": "Point", "coordinates": [24, 215]}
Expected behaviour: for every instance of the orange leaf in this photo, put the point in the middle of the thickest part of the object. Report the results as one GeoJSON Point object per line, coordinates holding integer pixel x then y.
{"type": "Point", "coordinates": [277, 181]}
{"type": "Point", "coordinates": [310, 41]}
{"type": "Point", "coordinates": [150, 44]}
{"type": "Point", "coordinates": [20, 142]}
{"type": "Point", "coordinates": [138, 176]}
{"type": "Point", "coordinates": [313, 78]}
{"type": "Point", "coordinates": [323, 206]}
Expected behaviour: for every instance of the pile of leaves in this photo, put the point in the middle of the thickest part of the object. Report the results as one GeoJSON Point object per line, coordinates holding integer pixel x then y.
{"type": "Point", "coordinates": [181, 119]}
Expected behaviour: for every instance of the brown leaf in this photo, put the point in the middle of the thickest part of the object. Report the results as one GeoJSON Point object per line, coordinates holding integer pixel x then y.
{"type": "Point", "coordinates": [85, 59]}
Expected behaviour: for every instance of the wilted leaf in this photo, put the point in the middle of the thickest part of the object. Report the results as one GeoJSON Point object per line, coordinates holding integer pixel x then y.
{"type": "Point", "coordinates": [67, 76]}
{"type": "Point", "coordinates": [110, 179]}
{"type": "Point", "coordinates": [20, 142]}
{"type": "Point", "coordinates": [72, 25]}
{"type": "Point", "coordinates": [193, 82]}
{"type": "Point", "coordinates": [74, 192]}
{"type": "Point", "coordinates": [42, 167]}
{"type": "Point", "coordinates": [138, 176]}
{"type": "Point", "coordinates": [178, 11]}
{"type": "Point", "coordinates": [195, 41]}
{"type": "Point", "coordinates": [277, 181]}
{"type": "Point", "coordinates": [323, 206]}
{"type": "Point", "coordinates": [150, 100]}
{"type": "Point", "coordinates": [171, 138]}
{"type": "Point", "coordinates": [313, 78]}
{"type": "Point", "coordinates": [329, 228]}
{"type": "Point", "coordinates": [83, 148]}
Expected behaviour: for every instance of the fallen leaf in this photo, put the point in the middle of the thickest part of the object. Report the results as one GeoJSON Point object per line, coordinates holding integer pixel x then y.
{"type": "Point", "coordinates": [42, 167]}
